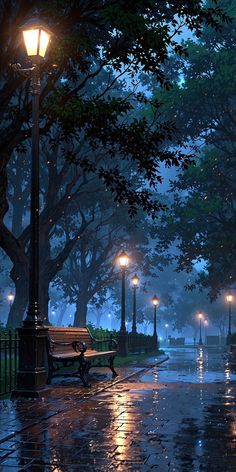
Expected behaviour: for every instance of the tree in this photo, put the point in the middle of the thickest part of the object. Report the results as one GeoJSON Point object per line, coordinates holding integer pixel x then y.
{"type": "Point", "coordinates": [119, 38]}
{"type": "Point", "coordinates": [203, 216]}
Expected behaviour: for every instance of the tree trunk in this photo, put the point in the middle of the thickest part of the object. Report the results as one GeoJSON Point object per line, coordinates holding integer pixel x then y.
{"type": "Point", "coordinates": [80, 319]}
{"type": "Point", "coordinates": [19, 305]}
{"type": "Point", "coordinates": [98, 318]}
{"type": "Point", "coordinates": [62, 310]}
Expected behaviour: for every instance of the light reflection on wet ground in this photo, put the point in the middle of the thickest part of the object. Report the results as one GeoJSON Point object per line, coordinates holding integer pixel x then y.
{"type": "Point", "coordinates": [177, 417]}
{"type": "Point", "coordinates": [192, 365]}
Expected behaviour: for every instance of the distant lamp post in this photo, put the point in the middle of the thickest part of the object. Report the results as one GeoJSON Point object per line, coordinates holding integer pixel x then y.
{"type": "Point", "coordinates": [10, 298]}
{"type": "Point", "coordinates": [31, 375]}
{"type": "Point", "coordinates": [166, 326]}
{"type": "Point", "coordinates": [122, 336]}
{"type": "Point", "coordinates": [205, 324]}
{"type": "Point", "coordinates": [200, 317]}
{"type": "Point", "coordinates": [155, 302]}
{"type": "Point", "coordinates": [135, 282]}
{"type": "Point", "coordinates": [229, 299]}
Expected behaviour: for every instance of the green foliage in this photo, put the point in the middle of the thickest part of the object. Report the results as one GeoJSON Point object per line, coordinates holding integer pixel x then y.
{"type": "Point", "coordinates": [203, 214]}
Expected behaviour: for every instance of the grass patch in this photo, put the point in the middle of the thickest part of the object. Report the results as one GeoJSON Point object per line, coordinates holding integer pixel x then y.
{"type": "Point", "coordinates": [134, 358]}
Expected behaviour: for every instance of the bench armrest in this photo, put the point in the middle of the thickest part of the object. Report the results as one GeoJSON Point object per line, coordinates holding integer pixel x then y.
{"type": "Point", "coordinates": [79, 346]}
{"type": "Point", "coordinates": [112, 342]}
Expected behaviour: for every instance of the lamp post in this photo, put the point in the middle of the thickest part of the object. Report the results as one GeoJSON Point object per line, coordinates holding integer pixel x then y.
{"type": "Point", "coordinates": [122, 335]}
{"type": "Point", "coordinates": [205, 324]}
{"type": "Point", "coordinates": [200, 317]}
{"type": "Point", "coordinates": [31, 375]}
{"type": "Point", "coordinates": [155, 302]}
{"type": "Point", "coordinates": [166, 326]}
{"type": "Point", "coordinates": [229, 299]}
{"type": "Point", "coordinates": [10, 298]}
{"type": "Point", "coordinates": [135, 282]}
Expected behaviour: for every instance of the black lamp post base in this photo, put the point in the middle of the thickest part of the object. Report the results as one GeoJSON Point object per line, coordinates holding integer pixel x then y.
{"type": "Point", "coordinates": [15, 394]}
{"type": "Point", "coordinates": [155, 342]}
{"type": "Point", "coordinates": [200, 342]}
{"type": "Point", "coordinates": [228, 339]}
{"type": "Point", "coordinates": [122, 343]}
{"type": "Point", "coordinates": [32, 372]}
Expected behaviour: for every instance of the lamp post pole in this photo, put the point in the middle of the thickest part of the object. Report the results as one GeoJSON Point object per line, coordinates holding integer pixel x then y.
{"type": "Point", "coordinates": [122, 335]}
{"type": "Point", "coordinates": [166, 326]}
{"type": "Point", "coordinates": [135, 281]}
{"type": "Point", "coordinates": [206, 324]}
{"type": "Point", "coordinates": [32, 374]}
{"type": "Point", "coordinates": [155, 302]}
{"type": "Point", "coordinates": [200, 343]}
{"type": "Point", "coordinates": [229, 299]}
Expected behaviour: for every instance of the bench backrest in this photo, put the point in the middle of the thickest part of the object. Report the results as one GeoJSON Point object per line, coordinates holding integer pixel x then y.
{"type": "Point", "coordinates": [67, 335]}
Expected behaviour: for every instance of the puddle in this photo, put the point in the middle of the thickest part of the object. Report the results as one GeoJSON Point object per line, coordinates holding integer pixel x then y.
{"type": "Point", "coordinates": [192, 366]}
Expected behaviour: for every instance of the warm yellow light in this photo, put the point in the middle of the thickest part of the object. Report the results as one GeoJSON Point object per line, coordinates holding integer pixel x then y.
{"type": "Point", "coordinates": [123, 260]}
{"type": "Point", "coordinates": [155, 300]}
{"type": "Point", "coordinates": [36, 41]}
{"type": "Point", "coordinates": [200, 316]}
{"type": "Point", "coordinates": [44, 40]}
{"type": "Point", "coordinates": [135, 280]}
{"type": "Point", "coordinates": [36, 38]}
{"type": "Point", "coordinates": [229, 298]}
{"type": "Point", "coordinates": [10, 297]}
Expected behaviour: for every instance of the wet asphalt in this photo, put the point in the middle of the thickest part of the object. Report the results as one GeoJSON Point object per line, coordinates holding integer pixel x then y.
{"type": "Point", "coordinates": [179, 416]}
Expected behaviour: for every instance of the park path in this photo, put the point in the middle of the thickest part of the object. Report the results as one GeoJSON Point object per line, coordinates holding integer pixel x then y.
{"type": "Point", "coordinates": [179, 416]}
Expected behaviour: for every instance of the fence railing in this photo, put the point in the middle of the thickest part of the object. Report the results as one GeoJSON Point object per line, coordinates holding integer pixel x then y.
{"type": "Point", "coordinates": [9, 343]}
{"type": "Point", "coordinates": [141, 343]}
{"type": "Point", "coordinates": [8, 361]}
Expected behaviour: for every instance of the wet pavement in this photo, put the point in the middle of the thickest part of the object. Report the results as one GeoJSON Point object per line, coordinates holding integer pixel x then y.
{"type": "Point", "coordinates": [179, 416]}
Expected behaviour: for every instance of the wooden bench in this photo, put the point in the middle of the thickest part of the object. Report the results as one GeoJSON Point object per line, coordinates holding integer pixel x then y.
{"type": "Point", "coordinates": [69, 346]}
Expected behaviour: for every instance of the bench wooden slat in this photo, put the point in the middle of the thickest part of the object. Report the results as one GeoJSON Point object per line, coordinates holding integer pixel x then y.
{"type": "Point", "coordinates": [65, 352]}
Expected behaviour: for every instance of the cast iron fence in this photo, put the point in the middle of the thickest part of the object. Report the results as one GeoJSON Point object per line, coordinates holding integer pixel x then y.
{"type": "Point", "coordinates": [8, 360]}
{"type": "Point", "coordinates": [9, 342]}
{"type": "Point", "coordinates": [141, 343]}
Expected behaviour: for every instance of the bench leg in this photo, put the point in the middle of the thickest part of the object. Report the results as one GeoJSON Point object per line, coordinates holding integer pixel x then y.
{"type": "Point", "coordinates": [111, 365]}
{"type": "Point", "coordinates": [83, 370]}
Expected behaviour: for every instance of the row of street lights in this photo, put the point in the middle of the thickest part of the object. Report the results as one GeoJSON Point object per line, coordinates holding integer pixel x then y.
{"type": "Point", "coordinates": [229, 299]}
{"type": "Point", "coordinates": [200, 317]}
{"type": "Point", "coordinates": [122, 335]}
{"type": "Point", "coordinates": [31, 375]}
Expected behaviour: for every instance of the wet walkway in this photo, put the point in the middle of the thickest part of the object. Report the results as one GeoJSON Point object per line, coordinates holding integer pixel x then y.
{"type": "Point", "coordinates": [176, 417]}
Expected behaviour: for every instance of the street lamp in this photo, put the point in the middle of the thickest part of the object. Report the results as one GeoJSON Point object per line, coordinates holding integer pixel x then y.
{"type": "Point", "coordinates": [10, 298]}
{"type": "Point", "coordinates": [205, 324]}
{"type": "Point", "coordinates": [155, 302]}
{"type": "Point", "coordinates": [229, 299]}
{"type": "Point", "coordinates": [135, 282]}
{"type": "Point", "coordinates": [166, 326]}
{"type": "Point", "coordinates": [31, 376]}
{"type": "Point", "coordinates": [122, 336]}
{"type": "Point", "coordinates": [200, 317]}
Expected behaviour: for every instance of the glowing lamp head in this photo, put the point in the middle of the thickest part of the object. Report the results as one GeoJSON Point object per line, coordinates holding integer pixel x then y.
{"type": "Point", "coordinates": [205, 322]}
{"type": "Point", "coordinates": [135, 280]}
{"type": "Point", "coordinates": [229, 298]}
{"type": "Point", "coordinates": [155, 300]}
{"type": "Point", "coordinates": [200, 316]}
{"type": "Point", "coordinates": [123, 260]}
{"type": "Point", "coordinates": [166, 325]}
{"type": "Point", "coordinates": [36, 38]}
{"type": "Point", "coordinates": [10, 297]}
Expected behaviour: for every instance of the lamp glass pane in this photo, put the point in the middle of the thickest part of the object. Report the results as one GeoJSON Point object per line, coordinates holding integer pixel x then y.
{"type": "Point", "coordinates": [31, 41]}
{"type": "Point", "coordinates": [124, 261]}
{"type": "Point", "coordinates": [44, 40]}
